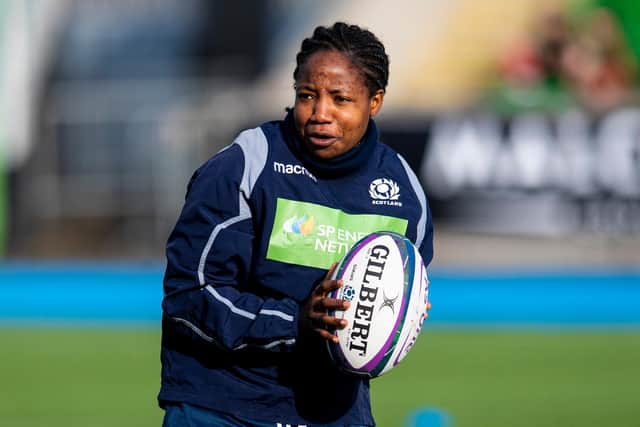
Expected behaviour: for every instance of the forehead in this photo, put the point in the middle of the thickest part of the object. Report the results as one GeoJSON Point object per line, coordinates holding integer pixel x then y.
{"type": "Point", "coordinates": [329, 67]}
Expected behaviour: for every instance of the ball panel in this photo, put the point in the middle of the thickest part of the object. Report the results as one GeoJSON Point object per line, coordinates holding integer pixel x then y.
{"type": "Point", "coordinates": [409, 260]}
{"type": "Point", "coordinates": [415, 316]}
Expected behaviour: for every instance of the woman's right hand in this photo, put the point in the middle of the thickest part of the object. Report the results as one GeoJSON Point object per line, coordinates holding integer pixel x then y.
{"type": "Point", "coordinates": [314, 313]}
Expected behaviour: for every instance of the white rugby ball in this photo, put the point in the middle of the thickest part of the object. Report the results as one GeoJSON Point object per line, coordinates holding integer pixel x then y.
{"type": "Point", "coordinates": [386, 282]}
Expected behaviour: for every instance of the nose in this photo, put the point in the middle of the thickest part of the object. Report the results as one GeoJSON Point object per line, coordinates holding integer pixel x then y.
{"type": "Point", "coordinates": [321, 110]}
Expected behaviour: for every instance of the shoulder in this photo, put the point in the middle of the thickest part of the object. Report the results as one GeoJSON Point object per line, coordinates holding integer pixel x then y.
{"type": "Point", "coordinates": [390, 158]}
{"type": "Point", "coordinates": [249, 150]}
{"type": "Point", "coordinates": [242, 160]}
{"type": "Point", "coordinates": [414, 200]}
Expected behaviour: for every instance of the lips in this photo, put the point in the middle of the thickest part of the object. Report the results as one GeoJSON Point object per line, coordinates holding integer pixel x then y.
{"type": "Point", "coordinates": [320, 140]}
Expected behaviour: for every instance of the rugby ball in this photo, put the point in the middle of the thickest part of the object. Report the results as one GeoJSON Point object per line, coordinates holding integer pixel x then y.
{"type": "Point", "coordinates": [386, 282]}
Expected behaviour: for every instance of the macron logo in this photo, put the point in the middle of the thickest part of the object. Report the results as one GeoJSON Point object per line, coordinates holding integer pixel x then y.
{"type": "Point", "coordinates": [289, 169]}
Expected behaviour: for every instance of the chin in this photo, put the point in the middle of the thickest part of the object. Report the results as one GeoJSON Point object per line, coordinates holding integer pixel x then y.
{"type": "Point", "coordinates": [323, 153]}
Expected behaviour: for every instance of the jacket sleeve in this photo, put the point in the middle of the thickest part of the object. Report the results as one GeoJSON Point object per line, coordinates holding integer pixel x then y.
{"type": "Point", "coordinates": [426, 247]}
{"type": "Point", "coordinates": [208, 284]}
{"type": "Point", "coordinates": [424, 226]}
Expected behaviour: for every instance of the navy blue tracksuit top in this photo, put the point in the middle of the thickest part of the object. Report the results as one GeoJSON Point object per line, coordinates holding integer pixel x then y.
{"type": "Point", "coordinates": [261, 224]}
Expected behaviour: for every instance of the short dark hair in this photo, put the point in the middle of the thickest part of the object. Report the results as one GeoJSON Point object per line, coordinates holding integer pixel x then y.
{"type": "Point", "coordinates": [361, 46]}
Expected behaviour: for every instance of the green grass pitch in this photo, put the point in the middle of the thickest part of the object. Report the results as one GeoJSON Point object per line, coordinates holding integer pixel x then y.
{"type": "Point", "coordinates": [97, 377]}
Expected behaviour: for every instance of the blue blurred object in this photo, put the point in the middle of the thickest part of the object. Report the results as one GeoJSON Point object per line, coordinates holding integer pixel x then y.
{"type": "Point", "coordinates": [607, 297]}
{"type": "Point", "coordinates": [82, 293]}
{"type": "Point", "coordinates": [429, 417]}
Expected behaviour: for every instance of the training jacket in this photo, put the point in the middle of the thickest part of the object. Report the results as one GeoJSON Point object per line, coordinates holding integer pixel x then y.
{"type": "Point", "coordinates": [262, 222]}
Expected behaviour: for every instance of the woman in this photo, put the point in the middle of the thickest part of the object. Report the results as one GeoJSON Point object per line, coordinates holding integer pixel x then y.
{"type": "Point", "coordinates": [250, 259]}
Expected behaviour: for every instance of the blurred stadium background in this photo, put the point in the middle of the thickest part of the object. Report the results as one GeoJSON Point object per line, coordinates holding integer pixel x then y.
{"type": "Point", "coordinates": [522, 119]}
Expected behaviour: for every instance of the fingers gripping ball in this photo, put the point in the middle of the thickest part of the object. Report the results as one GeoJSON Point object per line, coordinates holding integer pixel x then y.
{"type": "Point", "coordinates": [386, 282]}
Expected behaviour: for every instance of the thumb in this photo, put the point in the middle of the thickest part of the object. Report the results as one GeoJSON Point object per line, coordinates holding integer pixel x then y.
{"type": "Point", "coordinates": [331, 270]}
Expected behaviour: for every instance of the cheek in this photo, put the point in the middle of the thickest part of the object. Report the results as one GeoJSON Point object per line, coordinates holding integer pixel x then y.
{"type": "Point", "coordinates": [355, 125]}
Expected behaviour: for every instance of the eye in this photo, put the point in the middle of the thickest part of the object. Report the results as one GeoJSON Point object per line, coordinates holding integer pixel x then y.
{"type": "Point", "coordinates": [342, 99]}
{"type": "Point", "coordinates": [305, 96]}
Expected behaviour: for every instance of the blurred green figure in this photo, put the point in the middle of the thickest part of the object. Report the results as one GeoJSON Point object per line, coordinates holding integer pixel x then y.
{"type": "Point", "coordinates": [580, 54]}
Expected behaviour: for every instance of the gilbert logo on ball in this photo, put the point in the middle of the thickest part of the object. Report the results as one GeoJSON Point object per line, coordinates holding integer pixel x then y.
{"type": "Point", "coordinates": [386, 282]}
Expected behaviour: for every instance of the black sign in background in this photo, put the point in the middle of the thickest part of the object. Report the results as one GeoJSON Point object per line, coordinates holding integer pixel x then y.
{"type": "Point", "coordinates": [531, 174]}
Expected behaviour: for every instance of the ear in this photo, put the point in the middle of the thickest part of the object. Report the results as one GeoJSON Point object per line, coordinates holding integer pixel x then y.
{"type": "Point", "coordinates": [375, 103]}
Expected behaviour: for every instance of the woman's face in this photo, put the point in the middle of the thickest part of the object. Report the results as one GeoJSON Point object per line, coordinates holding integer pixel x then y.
{"type": "Point", "coordinates": [333, 104]}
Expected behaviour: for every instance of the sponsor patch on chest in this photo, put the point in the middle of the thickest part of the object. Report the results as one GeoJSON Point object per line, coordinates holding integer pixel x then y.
{"type": "Point", "coordinates": [316, 236]}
